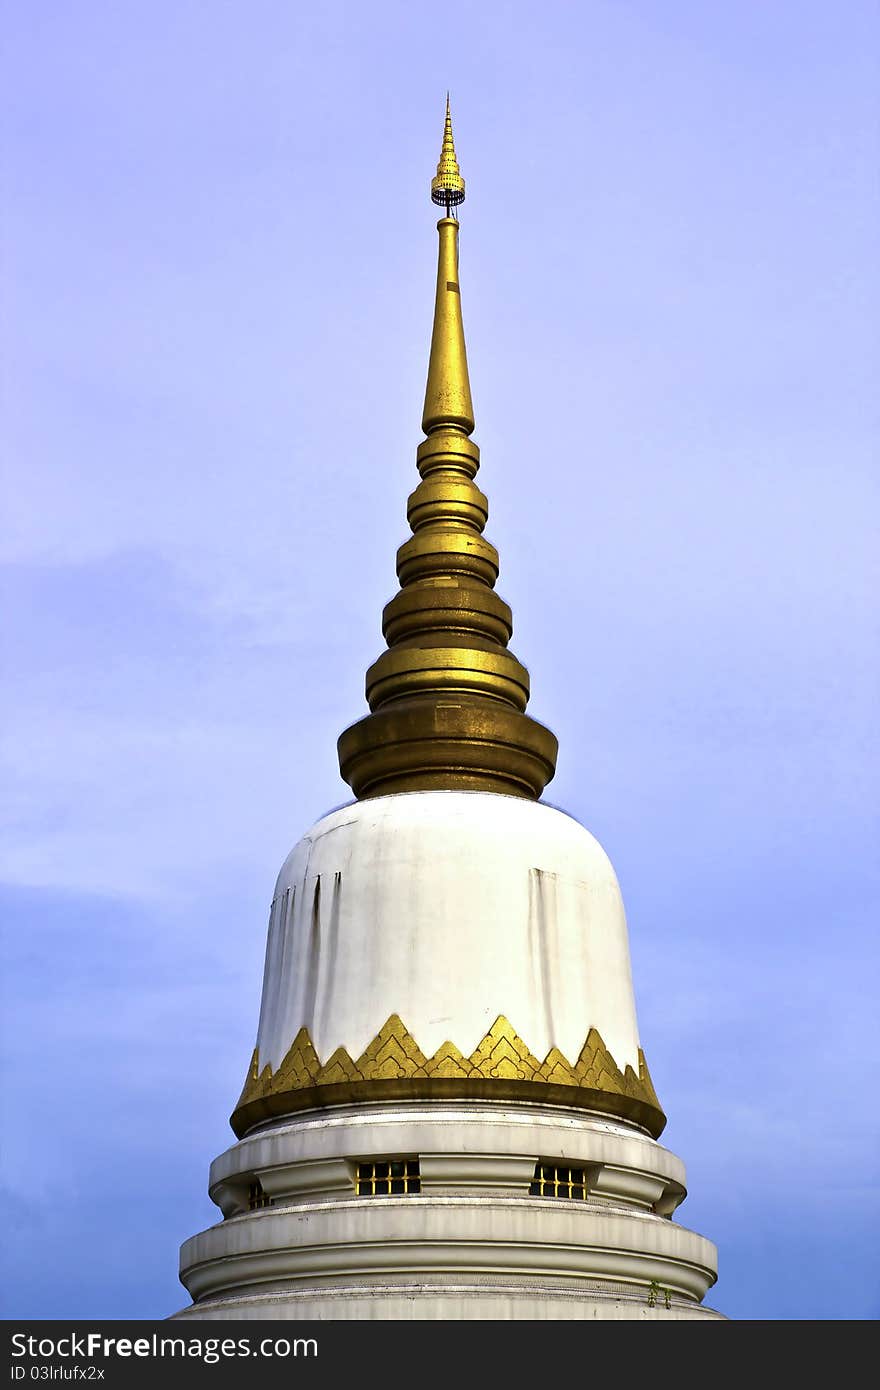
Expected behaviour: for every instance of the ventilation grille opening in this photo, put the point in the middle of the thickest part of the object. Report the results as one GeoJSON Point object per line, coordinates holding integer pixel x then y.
{"type": "Point", "coordinates": [551, 1180]}
{"type": "Point", "coordinates": [257, 1198]}
{"type": "Point", "coordinates": [387, 1177]}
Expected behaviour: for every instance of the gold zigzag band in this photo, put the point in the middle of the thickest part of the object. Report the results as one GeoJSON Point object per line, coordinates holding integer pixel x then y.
{"type": "Point", "coordinates": [393, 1066]}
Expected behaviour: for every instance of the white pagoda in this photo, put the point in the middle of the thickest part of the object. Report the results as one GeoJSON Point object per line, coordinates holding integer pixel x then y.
{"type": "Point", "coordinates": [448, 1113]}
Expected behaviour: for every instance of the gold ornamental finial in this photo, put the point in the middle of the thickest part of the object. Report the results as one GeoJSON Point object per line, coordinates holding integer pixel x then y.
{"type": "Point", "coordinates": [447, 699]}
{"type": "Point", "coordinates": [447, 187]}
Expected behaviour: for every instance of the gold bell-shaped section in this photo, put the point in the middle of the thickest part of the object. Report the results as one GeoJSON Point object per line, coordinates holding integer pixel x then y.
{"type": "Point", "coordinates": [447, 698]}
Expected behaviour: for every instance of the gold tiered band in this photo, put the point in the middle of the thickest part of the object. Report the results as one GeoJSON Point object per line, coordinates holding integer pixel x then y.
{"type": "Point", "coordinates": [447, 700]}
{"type": "Point", "coordinates": [501, 1067]}
{"type": "Point", "coordinates": [447, 186]}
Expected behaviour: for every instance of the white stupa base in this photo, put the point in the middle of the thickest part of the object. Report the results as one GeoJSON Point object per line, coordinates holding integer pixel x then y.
{"type": "Point", "coordinates": [473, 1243]}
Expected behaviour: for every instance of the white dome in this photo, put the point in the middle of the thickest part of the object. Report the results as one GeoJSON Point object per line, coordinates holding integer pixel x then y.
{"type": "Point", "coordinates": [448, 909]}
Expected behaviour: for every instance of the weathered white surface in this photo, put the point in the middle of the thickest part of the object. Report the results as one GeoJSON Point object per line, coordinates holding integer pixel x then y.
{"type": "Point", "coordinates": [453, 1301]}
{"type": "Point", "coordinates": [526, 1237]}
{"type": "Point", "coordinates": [448, 908]}
{"type": "Point", "coordinates": [464, 1147]}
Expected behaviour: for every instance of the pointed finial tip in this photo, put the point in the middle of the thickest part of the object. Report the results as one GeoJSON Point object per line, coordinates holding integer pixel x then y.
{"type": "Point", "coordinates": [447, 187]}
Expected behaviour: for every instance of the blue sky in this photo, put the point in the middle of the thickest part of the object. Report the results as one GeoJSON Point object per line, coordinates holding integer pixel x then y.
{"type": "Point", "coordinates": [218, 265]}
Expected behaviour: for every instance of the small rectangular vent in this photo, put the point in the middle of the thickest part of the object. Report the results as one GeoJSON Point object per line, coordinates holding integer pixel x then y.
{"type": "Point", "coordinates": [551, 1180]}
{"type": "Point", "coordinates": [257, 1198]}
{"type": "Point", "coordinates": [387, 1177]}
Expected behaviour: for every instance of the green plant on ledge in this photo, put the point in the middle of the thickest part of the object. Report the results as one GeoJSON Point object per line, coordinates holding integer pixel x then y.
{"type": "Point", "coordinates": [654, 1290]}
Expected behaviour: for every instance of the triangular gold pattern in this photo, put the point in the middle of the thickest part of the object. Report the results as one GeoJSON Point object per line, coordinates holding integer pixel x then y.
{"type": "Point", "coordinates": [392, 1054]}
{"type": "Point", "coordinates": [501, 1056]}
{"type": "Point", "coordinates": [300, 1065]}
{"type": "Point", "coordinates": [339, 1067]}
{"type": "Point", "coordinates": [644, 1082]}
{"type": "Point", "coordinates": [504, 1056]}
{"type": "Point", "coordinates": [448, 1062]}
{"type": "Point", "coordinates": [557, 1070]}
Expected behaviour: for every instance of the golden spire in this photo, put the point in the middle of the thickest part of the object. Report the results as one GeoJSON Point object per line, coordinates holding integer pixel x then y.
{"type": "Point", "coordinates": [448, 392]}
{"type": "Point", "coordinates": [447, 187]}
{"type": "Point", "coordinates": [447, 699]}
